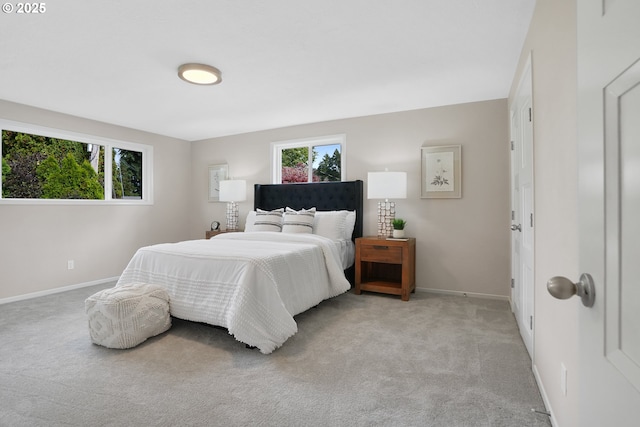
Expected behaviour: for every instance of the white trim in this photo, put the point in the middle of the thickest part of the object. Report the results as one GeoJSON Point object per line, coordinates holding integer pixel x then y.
{"type": "Point", "coordinates": [463, 294]}
{"type": "Point", "coordinates": [57, 290]}
{"type": "Point", "coordinates": [545, 397]}
{"type": "Point", "coordinates": [136, 202]}
{"type": "Point", "coordinates": [147, 164]}
{"type": "Point", "coordinates": [278, 146]}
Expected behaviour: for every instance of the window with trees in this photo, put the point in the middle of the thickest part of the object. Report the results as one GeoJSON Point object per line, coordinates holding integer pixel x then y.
{"type": "Point", "coordinates": [46, 164]}
{"type": "Point", "coordinates": [309, 160]}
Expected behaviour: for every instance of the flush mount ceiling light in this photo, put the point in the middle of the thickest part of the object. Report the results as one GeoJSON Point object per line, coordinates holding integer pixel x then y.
{"type": "Point", "coordinates": [200, 74]}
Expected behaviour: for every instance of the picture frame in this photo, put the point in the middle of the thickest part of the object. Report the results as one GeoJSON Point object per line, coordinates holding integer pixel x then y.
{"type": "Point", "coordinates": [441, 172]}
{"type": "Point", "coordinates": [217, 173]}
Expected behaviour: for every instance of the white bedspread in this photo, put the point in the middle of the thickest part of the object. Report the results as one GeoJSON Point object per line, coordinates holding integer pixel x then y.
{"type": "Point", "coordinates": [250, 283]}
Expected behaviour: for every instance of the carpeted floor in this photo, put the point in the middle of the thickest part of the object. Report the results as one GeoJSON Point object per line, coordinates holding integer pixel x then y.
{"type": "Point", "coordinates": [364, 360]}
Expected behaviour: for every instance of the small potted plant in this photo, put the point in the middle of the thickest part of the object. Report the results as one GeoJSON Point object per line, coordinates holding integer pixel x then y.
{"type": "Point", "coordinates": [398, 227]}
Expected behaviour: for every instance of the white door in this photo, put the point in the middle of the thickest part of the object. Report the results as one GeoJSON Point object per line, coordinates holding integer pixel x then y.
{"type": "Point", "coordinates": [522, 208]}
{"type": "Point", "coordinates": [609, 210]}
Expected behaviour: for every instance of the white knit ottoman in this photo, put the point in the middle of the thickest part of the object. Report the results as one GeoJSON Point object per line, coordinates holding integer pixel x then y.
{"type": "Point", "coordinates": [125, 316]}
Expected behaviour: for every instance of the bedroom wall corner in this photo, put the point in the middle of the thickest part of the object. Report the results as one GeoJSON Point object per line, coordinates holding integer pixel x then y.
{"type": "Point", "coordinates": [38, 240]}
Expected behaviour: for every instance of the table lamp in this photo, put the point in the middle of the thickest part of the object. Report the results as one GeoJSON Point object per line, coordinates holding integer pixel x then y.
{"type": "Point", "coordinates": [386, 185]}
{"type": "Point", "coordinates": [232, 191]}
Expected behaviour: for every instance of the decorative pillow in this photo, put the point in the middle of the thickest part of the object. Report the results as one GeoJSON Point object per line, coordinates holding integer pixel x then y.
{"type": "Point", "coordinates": [268, 220]}
{"type": "Point", "coordinates": [298, 221]}
{"type": "Point", "coordinates": [331, 224]}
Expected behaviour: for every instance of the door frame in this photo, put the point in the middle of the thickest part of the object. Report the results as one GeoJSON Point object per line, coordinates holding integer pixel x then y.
{"type": "Point", "coordinates": [526, 306]}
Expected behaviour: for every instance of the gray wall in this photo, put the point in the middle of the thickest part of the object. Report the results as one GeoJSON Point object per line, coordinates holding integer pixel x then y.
{"type": "Point", "coordinates": [552, 41]}
{"type": "Point", "coordinates": [463, 244]}
{"type": "Point", "coordinates": [36, 240]}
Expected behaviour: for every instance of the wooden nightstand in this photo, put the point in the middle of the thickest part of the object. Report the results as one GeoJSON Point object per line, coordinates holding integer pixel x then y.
{"type": "Point", "coordinates": [211, 233]}
{"type": "Point", "coordinates": [386, 266]}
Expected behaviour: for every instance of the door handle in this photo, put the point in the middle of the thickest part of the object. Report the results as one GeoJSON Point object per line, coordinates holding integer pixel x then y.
{"type": "Point", "coordinates": [515, 227]}
{"type": "Point", "coordinates": [563, 288]}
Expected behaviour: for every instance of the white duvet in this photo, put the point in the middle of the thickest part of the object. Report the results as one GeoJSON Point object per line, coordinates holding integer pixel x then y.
{"type": "Point", "coordinates": [250, 283]}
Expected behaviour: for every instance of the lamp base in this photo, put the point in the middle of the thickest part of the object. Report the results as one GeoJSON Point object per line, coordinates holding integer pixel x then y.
{"type": "Point", "coordinates": [386, 214]}
{"type": "Point", "coordinates": [232, 216]}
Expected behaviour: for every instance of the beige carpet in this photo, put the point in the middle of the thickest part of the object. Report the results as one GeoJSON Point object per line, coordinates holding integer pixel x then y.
{"type": "Point", "coordinates": [356, 361]}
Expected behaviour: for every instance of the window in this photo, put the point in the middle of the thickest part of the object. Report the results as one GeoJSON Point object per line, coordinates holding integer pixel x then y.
{"type": "Point", "coordinates": [46, 164]}
{"type": "Point", "coordinates": [309, 160]}
{"type": "Point", "coordinates": [127, 174]}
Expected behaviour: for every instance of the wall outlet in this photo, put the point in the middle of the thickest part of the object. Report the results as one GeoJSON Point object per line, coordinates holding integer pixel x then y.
{"type": "Point", "coordinates": [70, 264]}
{"type": "Point", "coordinates": [563, 379]}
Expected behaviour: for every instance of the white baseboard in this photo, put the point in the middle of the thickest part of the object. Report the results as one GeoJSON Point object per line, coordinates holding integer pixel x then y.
{"type": "Point", "coordinates": [464, 294]}
{"type": "Point", "coordinates": [545, 398]}
{"type": "Point", "coordinates": [57, 290]}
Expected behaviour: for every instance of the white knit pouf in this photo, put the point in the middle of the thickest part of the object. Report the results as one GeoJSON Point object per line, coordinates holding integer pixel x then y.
{"type": "Point", "coordinates": [125, 316]}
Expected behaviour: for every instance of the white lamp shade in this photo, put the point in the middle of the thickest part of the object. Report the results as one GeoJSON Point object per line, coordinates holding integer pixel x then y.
{"type": "Point", "coordinates": [387, 185]}
{"type": "Point", "coordinates": [233, 190]}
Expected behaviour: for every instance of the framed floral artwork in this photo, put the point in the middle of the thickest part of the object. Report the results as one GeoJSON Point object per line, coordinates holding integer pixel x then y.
{"type": "Point", "coordinates": [217, 173]}
{"type": "Point", "coordinates": [442, 172]}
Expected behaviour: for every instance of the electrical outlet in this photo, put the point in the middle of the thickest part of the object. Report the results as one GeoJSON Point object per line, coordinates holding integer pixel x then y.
{"type": "Point", "coordinates": [70, 264]}
{"type": "Point", "coordinates": [563, 379]}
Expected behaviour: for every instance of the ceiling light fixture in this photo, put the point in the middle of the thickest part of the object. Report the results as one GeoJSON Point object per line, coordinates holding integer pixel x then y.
{"type": "Point", "coordinates": [200, 74]}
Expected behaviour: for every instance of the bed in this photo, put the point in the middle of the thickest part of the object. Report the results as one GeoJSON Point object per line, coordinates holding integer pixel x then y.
{"type": "Point", "coordinates": [254, 283]}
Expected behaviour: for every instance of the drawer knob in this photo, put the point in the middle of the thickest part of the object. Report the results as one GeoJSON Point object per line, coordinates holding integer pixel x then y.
{"type": "Point", "coordinates": [380, 247]}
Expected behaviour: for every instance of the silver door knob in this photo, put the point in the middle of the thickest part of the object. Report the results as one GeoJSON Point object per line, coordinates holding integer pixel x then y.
{"type": "Point", "coordinates": [563, 288]}
{"type": "Point", "coordinates": [515, 227]}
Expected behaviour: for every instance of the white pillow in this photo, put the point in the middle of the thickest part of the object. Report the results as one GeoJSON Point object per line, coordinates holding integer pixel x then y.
{"type": "Point", "coordinates": [349, 225]}
{"type": "Point", "coordinates": [265, 220]}
{"type": "Point", "coordinates": [250, 221]}
{"type": "Point", "coordinates": [298, 221]}
{"type": "Point", "coordinates": [331, 224]}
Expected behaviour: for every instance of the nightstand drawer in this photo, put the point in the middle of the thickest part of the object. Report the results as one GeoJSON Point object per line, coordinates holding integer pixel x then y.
{"type": "Point", "coordinates": [381, 253]}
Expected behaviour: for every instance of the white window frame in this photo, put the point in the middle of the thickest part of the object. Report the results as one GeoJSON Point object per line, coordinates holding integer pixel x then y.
{"type": "Point", "coordinates": [278, 146]}
{"type": "Point", "coordinates": [108, 144]}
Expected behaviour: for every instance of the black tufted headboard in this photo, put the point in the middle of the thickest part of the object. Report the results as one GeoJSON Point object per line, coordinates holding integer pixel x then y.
{"type": "Point", "coordinates": [325, 196]}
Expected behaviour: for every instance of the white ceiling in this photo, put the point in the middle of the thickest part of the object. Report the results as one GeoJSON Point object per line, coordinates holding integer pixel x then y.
{"type": "Point", "coordinates": [283, 62]}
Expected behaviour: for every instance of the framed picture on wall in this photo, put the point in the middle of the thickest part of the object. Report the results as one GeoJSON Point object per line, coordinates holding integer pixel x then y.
{"type": "Point", "coordinates": [442, 172]}
{"type": "Point", "coordinates": [217, 173]}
